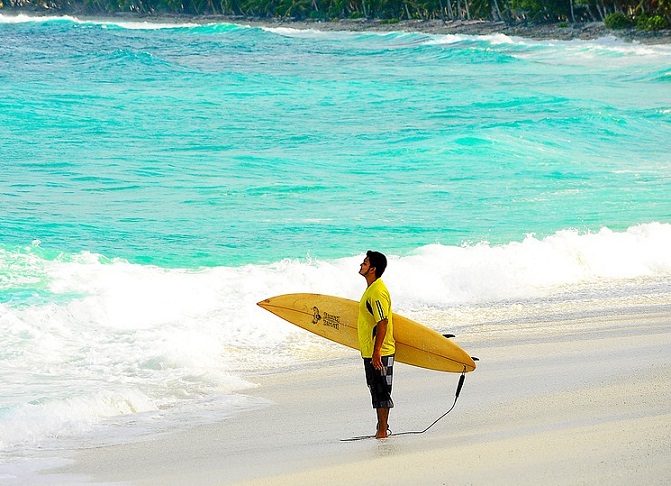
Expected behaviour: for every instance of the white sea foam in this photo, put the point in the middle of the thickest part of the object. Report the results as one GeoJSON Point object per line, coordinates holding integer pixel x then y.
{"type": "Point", "coordinates": [298, 33]}
{"type": "Point", "coordinates": [131, 25]}
{"type": "Point", "coordinates": [588, 53]}
{"type": "Point", "coordinates": [23, 18]}
{"type": "Point", "coordinates": [534, 267]}
{"type": "Point", "coordinates": [61, 416]}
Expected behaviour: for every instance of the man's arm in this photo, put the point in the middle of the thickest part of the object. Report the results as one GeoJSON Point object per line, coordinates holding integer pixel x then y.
{"type": "Point", "coordinates": [379, 339]}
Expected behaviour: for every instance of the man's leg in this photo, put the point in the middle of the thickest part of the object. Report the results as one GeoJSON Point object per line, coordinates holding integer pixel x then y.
{"type": "Point", "coordinates": [379, 383]}
{"type": "Point", "coordinates": [382, 422]}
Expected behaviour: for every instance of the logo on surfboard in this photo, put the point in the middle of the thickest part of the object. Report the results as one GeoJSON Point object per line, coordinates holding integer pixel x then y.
{"type": "Point", "coordinates": [328, 319]}
{"type": "Point", "coordinates": [316, 317]}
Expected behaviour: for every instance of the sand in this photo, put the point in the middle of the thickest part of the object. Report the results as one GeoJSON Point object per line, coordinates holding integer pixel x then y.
{"type": "Point", "coordinates": [575, 402]}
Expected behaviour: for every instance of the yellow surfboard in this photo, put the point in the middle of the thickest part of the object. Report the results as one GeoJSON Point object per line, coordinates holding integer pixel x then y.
{"type": "Point", "coordinates": [335, 318]}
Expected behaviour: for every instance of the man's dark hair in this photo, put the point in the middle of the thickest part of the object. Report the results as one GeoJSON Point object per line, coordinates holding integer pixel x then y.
{"type": "Point", "coordinates": [378, 261]}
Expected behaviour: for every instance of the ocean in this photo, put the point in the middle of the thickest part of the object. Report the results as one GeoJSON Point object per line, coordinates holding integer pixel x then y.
{"type": "Point", "coordinates": [157, 180]}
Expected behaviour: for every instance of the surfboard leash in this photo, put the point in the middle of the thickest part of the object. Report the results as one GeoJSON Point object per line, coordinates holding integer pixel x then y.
{"type": "Point", "coordinates": [417, 432]}
{"type": "Point", "coordinates": [456, 397]}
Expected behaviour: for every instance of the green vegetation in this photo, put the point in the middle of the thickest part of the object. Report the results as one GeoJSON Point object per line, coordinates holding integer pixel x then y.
{"type": "Point", "coordinates": [656, 22]}
{"type": "Point", "coordinates": [618, 20]}
{"type": "Point", "coordinates": [617, 14]}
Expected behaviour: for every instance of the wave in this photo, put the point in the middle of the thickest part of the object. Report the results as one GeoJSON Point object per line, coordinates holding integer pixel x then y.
{"type": "Point", "coordinates": [67, 415]}
{"type": "Point", "coordinates": [127, 25]}
{"type": "Point", "coordinates": [565, 258]}
{"type": "Point", "coordinates": [533, 267]}
{"type": "Point", "coordinates": [23, 19]}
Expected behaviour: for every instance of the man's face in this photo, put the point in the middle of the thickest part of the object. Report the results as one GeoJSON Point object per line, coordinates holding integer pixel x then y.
{"type": "Point", "coordinates": [365, 267]}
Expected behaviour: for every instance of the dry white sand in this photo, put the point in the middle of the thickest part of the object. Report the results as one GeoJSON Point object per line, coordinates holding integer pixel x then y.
{"type": "Point", "coordinates": [576, 402]}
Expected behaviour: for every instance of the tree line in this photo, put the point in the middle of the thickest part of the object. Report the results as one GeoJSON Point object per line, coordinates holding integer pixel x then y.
{"type": "Point", "coordinates": [646, 14]}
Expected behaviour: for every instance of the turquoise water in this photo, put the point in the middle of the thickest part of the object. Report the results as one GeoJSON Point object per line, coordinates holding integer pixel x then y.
{"type": "Point", "coordinates": [226, 145]}
{"type": "Point", "coordinates": [156, 181]}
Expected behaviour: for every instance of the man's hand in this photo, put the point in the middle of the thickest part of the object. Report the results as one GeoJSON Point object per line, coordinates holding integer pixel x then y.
{"type": "Point", "coordinates": [377, 360]}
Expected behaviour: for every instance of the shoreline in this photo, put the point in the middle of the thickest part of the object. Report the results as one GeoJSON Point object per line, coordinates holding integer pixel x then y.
{"type": "Point", "coordinates": [588, 31]}
{"type": "Point", "coordinates": [589, 393]}
{"type": "Point", "coordinates": [582, 31]}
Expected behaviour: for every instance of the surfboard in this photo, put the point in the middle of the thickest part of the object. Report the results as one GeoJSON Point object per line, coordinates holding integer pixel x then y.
{"type": "Point", "coordinates": [335, 318]}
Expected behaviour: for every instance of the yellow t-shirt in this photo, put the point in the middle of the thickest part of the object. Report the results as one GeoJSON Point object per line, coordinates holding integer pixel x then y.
{"type": "Point", "coordinates": [375, 305]}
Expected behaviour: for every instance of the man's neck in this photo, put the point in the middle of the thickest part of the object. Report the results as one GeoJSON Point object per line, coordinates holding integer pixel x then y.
{"type": "Point", "coordinates": [370, 279]}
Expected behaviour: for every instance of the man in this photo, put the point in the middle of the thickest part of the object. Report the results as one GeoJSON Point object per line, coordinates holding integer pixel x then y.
{"type": "Point", "coordinates": [376, 338]}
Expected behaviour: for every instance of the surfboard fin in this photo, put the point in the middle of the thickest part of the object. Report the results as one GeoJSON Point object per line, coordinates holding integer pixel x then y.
{"type": "Point", "coordinates": [475, 358]}
{"type": "Point", "coordinates": [448, 336]}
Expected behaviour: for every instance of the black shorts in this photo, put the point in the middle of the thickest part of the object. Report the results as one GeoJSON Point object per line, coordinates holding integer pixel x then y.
{"type": "Point", "coordinates": [379, 381]}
